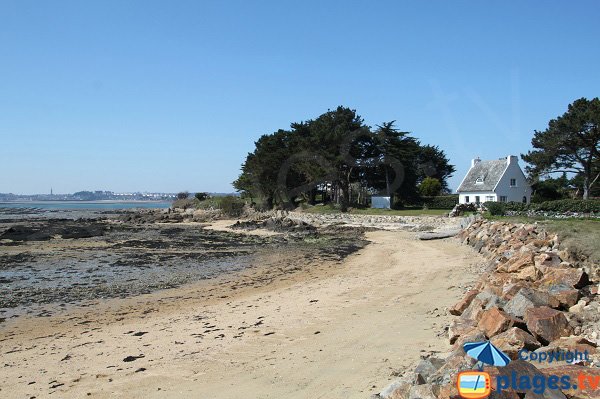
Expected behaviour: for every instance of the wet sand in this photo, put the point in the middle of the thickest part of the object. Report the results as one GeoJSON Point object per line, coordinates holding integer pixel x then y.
{"type": "Point", "coordinates": [310, 329]}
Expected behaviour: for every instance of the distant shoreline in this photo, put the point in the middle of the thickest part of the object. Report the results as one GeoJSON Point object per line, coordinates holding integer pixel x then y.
{"type": "Point", "coordinates": [81, 201]}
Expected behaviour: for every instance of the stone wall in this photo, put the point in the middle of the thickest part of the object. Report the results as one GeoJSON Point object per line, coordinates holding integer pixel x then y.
{"type": "Point", "coordinates": [534, 294]}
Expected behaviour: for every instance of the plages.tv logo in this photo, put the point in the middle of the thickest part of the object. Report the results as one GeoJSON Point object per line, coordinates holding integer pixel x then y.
{"type": "Point", "coordinates": [478, 384]}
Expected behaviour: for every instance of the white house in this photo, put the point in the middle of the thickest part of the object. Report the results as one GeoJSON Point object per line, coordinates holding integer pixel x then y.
{"type": "Point", "coordinates": [499, 180]}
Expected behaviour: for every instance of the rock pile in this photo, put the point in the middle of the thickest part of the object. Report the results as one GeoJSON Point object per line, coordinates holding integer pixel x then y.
{"type": "Point", "coordinates": [534, 295]}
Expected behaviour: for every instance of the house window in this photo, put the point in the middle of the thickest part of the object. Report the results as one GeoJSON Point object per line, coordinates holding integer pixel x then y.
{"type": "Point", "coordinates": [489, 198]}
{"type": "Point", "coordinates": [466, 199]}
{"type": "Point", "coordinates": [524, 199]}
{"type": "Point", "coordinates": [503, 198]}
{"type": "Point", "coordinates": [477, 199]}
{"type": "Point", "coordinates": [479, 180]}
{"type": "Point", "coordinates": [513, 182]}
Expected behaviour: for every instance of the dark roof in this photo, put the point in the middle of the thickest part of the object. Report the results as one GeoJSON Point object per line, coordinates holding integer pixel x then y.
{"type": "Point", "coordinates": [490, 171]}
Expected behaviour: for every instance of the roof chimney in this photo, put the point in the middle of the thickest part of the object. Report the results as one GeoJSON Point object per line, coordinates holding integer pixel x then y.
{"type": "Point", "coordinates": [475, 161]}
{"type": "Point", "coordinates": [512, 159]}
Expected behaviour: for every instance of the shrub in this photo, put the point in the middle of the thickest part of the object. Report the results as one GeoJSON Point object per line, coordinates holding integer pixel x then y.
{"type": "Point", "coordinates": [201, 196]}
{"type": "Point", "coordinates": [495, 208]}
{"type": "Point", "coordinates": [430, 187]}
{"type": "Point", "coordinates": [182, 195]}
{"type": "Point", "coordinates": [440, 202]}
{"type": "Point", "coordinates": [232, 206]}
{"type": "Point", "coordinates": [568, 205]}
{"type": "Point", "coordinates": [558, 206]}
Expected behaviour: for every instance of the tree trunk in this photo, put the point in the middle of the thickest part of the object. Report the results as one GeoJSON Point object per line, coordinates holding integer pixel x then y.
{"type": "Point", "coordinates": [344, 197]}
{"type": "Point", "coordinates": [586, 186]}
{"type": "Point", "coordinates": [312, 196]}
{"type": "Point", "coordinates": [387, 181]}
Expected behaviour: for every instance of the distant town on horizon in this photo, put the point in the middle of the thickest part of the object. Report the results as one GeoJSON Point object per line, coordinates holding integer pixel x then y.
{"type": "Point", "coordinates": [97, 195]}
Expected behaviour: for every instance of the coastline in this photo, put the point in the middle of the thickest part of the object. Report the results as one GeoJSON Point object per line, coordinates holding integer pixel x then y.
{"type": "Point", "coordinates": [322, 329]}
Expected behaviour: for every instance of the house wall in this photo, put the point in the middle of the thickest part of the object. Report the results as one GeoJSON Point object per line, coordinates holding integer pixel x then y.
{"type": "Point", "coordinates": [520, 190]}
{"type": "Point", "coordinates": [483, 197]}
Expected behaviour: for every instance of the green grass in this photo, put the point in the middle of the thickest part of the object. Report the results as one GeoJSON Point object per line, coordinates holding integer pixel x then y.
{"type": "Point", "coordinates": [387, 212]}
{"type": "Point", "coordinates": [580, 235]}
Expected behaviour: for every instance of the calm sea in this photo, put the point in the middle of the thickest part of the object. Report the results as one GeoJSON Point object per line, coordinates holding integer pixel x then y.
{"type": "Point", "coordinates": [87, 205]}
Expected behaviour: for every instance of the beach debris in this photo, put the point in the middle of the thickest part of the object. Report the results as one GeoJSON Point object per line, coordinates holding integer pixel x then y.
{"type": "Point", "coordinates": [133, 358]}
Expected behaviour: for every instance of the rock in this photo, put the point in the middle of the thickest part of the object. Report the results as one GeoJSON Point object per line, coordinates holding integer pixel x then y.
{"type": "Point", "coordinates": [527, 298]}
{"type": "Point", "coordinates": [456, 362]}
{"type": "Point", "coordinates": [547, 259]}
{"type": "Point", "coordinates": [583, 390]}
{"type": "Point", "coordinates": [398, 389]}
{"type": "Point", "coordinates": [489, 299]}
{"type": "Point", "coordinates": [494, 321]}
{"type": "Point", "coordinates": [566, 295]}
{"type": "Point", "coordinates": [529, 273]}
{"type": "Point", "coordinates": [503, 375]}
{"type": "Point", "coordinates": [421, 392]}
{"type": "Point", "coordinates": [513, 340]}
{"type": "Point", "coordinates": [571, 277]}
{"type": "Point", "coordinates": [461, 305]}
{"type": "Point", "coordinates": [474, 310]}
{"type": "Point", "coordinates": [437, 235]}
{"type": "Point", "coordinates": [547, 324]}
{"type": "Point", "coordinates": [473, 335]}
{"type": "Point", "coordinates": [459, 327]}
{"type": "Point", "coordinates": [577, 308]}
{"type": "Point", "coordinates": [426, 368]}
{"type": "Point", "coordinates": [578, 345]}
{"type": "Point", "coordinates": [509, 290]}
{"type": "Point", "coordinates": [517, 262]}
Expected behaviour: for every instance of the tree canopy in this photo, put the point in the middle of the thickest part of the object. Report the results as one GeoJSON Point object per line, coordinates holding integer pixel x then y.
{"type": "Point", "coordinates": [338, 157]}
{"type": "Point", "coordinates": [570, 144]}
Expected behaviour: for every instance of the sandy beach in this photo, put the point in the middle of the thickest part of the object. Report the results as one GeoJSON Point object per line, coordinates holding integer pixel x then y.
{"type": "Point", "coordinates": [317, 330]}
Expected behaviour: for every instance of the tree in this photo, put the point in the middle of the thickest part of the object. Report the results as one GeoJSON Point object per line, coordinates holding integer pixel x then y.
{"type": "Point", "coordinates": [183, 195]}
{"type": "Point", "coordinates": [434, 163]}
{"type": "Point", "coordinates": [201, 196]}
{"type": "Point", "coordinates": [430, 187]}
{"type": "Point", "coordinates": [570, 144]}
{"type": "Point", "coordinates": [337, 154]}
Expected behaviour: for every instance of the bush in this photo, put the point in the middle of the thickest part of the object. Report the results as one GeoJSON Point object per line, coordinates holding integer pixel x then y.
{"type": "Point", "coordinates": [568, 205]}
{"type": "Point", "coordinates": [182, 195]}
{"type": "Point", "coordinates": [232, 206]}
{"type": "Point", "coordinates": [440, 202]}
{"type": "Point", "coordinates": [201, 196]}
{"type": "Point", "coordinates": [495, 208]}
{"type": "Point", "coordinates": [559, 206]}
{"type": "Point", "coordinates": [430, 187]}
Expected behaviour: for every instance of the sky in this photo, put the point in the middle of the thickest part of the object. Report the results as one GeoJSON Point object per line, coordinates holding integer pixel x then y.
{"type": "Point", "coordinates": [165, 96]}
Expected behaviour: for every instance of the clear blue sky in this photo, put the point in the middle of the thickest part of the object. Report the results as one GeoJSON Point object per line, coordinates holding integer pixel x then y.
{"type": "Point", "coordinates": [171, 95]}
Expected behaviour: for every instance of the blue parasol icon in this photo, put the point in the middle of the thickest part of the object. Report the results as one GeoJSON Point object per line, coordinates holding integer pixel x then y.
{"type": "Point", "coordinates": [486, 353]}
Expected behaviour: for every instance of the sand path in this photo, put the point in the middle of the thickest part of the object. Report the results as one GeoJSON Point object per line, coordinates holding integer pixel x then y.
{"type": "Point", "coordinates": [334, 330]}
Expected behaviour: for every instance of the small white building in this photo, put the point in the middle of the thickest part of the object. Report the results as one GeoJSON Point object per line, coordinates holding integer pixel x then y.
{"type": "Point", "coordinates": [499, 180]}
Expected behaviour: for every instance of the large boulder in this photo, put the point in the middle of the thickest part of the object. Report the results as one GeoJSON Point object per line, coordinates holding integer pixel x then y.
{"type": "Point", "coordinates": [527, 298]}
{"type": "Point", "coordinates": [566, 295]}
{"type": "Point", "coordinates": [494, 321]}
{"type": "Point", "coordinates": [464, 303]}
{"type": "Point", "coordinates": [572, 277]}
{"type": "Point", "coordinates": [513, 340]}
{"type": "Point", "coordinates": [576, 345]}
{"type": "Point", "coordinates": [547, 324]}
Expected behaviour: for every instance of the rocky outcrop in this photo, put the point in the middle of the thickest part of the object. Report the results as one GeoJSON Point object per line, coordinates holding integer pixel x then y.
{"type": "Point", "coordinates": [533, 295]}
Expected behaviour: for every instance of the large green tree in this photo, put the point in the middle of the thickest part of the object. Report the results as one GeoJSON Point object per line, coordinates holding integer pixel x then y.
{"type": "Point", "coordinates": [334, 153]}
{"type": "Point", "coordinates": [570, 144]}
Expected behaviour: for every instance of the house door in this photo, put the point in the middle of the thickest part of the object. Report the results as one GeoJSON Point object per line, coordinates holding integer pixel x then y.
{"type": "Point", "coordinates": [524, 199]}
{"type": "Point", "coordinates": [477, 199]}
